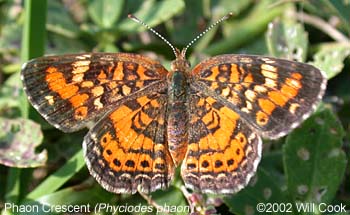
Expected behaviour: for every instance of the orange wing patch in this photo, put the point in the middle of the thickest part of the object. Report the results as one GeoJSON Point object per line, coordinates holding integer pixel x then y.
{"type": "Point", "coordinates": [71, 90]}
{"type": "Point", "coordinates": [131, 145]}
{"type": "Point", "coordinates": [223, 152]}
{"type": "Point", "coordinates": [266, 92]}
{"type": "Point", "coordinates": [57, 83]}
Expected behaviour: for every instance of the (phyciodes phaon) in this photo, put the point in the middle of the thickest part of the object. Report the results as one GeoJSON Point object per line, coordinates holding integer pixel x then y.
{"type": "Point", "coordinates": [209, 119]}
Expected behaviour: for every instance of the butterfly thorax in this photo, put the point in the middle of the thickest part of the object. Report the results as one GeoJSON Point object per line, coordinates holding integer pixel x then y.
{"type": "Point", "coordinates": [177, 118]}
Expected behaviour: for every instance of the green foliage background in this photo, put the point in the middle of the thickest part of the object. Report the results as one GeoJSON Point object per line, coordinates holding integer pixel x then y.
{"type": "Point", "coordinates": [309, 165]}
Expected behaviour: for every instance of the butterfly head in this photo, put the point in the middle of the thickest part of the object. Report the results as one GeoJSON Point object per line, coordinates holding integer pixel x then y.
{"type": "Point", "coordinates": [180, 63]}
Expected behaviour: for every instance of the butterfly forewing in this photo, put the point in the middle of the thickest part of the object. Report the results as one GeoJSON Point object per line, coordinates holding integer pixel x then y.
{"type": "Point", "coordinates": [266, 92]}
{"type": "Point", "coordinates": [70, 90]}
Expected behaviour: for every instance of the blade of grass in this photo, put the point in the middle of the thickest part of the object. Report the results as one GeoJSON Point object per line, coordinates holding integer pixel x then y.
{"type": "Point", "coordinates": [34, 29]}
{"type": "Point", "coordinates": [13, 185]}
{"type": "Point", "coordinates": [32, 46]}
{"type": "Point", "coordinates": [57, 179]}
{"type": "Point", "coordinates": [33, 38]}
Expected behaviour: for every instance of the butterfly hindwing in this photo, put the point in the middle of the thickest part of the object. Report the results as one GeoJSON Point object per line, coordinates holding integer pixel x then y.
{"type": "Point", "coordinates": [127, 150]}
{"type": "Point", "coordinates": [223, 152]}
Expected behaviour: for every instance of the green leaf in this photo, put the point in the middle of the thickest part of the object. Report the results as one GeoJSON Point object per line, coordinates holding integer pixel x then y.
{"type": "Point", "coordinates": [59, 20]}
{"type": "Point", "coordinates": [330, 58]}
{"type": "Point", "coordinates": [105, 13]}
{"type": "Point", "coordinates": [10, 37]}
{"type": "Point", "coordinates": [188, 29]}
{"type": "Point", "coordinates": [343, 10]}
{"type": "Point", "coordinates": [314, 160]}
{"type": "Point", "coordinates": [262, 188]}
{"type": "Point", "coordinates": [64, 45]}
{"type": "Point", "coordinates": [171, 199]}
{"type": "Point", "coordinates": [212, 11]}
{"type": "Point", "coordinates": [13, 102]}
{"type": "Point", "coordinates": [18, 140]}
{"type": "Point", "coordinates": [287, 39]}
{"type": "Point", "coordinates": [153, 13]}
{"type": "Point", "coordinates": [222, 7]}
{"type": "Point", "coordinates": [240, 31]}
{"type": "Point", "coordinates": [138, 203]}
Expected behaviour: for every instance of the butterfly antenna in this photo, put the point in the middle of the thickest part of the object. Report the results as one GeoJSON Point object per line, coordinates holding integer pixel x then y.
{"type": "Point", "coordinates": [205, 31]}
{"type": "Point", "coordinates": [134, 18]}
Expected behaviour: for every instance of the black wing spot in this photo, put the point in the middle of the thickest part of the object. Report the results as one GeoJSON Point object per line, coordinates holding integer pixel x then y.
{"type": "Point", "coordinates": [116, 162]}
{"type": "Point", "coordinates": [130, 163]}
{"type": "Point", "coordinates": [230, 162]}
{"type": "Point", "coordinates": [218, 163]}
{"type": "Point", "coordinates": [205, 164]}
{"type": "Point", "coordinates": [144, 163]}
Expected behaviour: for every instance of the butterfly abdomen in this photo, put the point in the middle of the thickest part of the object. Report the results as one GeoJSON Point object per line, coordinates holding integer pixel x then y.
{"type": "Point", "coordinates": [177, 119]}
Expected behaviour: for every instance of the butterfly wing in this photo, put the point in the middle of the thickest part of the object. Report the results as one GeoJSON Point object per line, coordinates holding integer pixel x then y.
{"type": "Point", "coordinates": [271, 95]}
{"type": "Point", "coordinates": [71, 90]}
{"type": "Point", "coordinates": [234, 100]}
{"type": "Point", "coordinates": [223, 151]}
{"type": "Point", "coordinates": [127, 150]}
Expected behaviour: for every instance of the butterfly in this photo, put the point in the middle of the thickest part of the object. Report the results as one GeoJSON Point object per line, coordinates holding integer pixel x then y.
{"type": "Point", "coordinates": [148, 120]}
